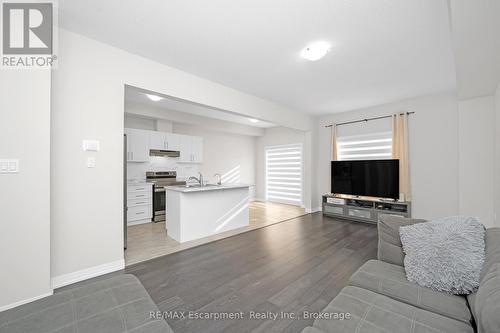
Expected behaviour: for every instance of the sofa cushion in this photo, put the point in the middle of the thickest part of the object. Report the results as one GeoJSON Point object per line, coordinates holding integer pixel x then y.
{"type": "Point", "coordinates": [372, 312]}
{"type": "Point", "coordinates": [389, 243]}
{"type": "Point", "coordinates": [390, 280]}
{"type": "Point", "coordinates": [485, 304]}
{"type": "Point", "coordinates": [119, 304]}
{"type": "Point", "coordinates": [446, 254]}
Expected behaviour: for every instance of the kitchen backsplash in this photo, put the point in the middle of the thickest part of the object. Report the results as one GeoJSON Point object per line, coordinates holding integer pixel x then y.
{"type": "Point", "coordinates": [137, 171]}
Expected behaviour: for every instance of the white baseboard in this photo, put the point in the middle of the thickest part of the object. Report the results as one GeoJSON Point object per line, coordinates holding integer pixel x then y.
{"type": "Point", "coordinates": [313, 210]}
{"type": "Point", "coordinates": [88, 273]}
{"type": "Point", "coordinates": [24, 301]}
{"type": "Point", "coordinates": [139, 222]}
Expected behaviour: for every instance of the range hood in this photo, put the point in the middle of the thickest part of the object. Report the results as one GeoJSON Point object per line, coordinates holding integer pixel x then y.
{"type": "Point", "coordinates": [164, 153]}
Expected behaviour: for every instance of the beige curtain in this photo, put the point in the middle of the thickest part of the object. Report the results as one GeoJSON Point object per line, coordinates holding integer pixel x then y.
{"type": "Point", "coordinates": [400, 151]}
{"type": "Point", "coordinates": [334, 142]}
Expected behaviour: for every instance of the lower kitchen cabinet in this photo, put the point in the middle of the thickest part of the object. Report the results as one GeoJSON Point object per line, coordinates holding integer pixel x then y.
{"type": "Point", "coordinates": [139, 203]}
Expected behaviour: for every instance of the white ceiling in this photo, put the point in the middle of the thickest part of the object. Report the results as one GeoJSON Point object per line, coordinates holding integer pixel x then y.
{"type": "Point", "coordinates": [386, 50]}
{"type": "Point", "coordinates": [138, 96]}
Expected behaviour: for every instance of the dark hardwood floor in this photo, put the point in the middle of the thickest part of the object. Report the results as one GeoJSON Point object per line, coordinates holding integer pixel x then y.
{"type": "Point", "coordinates": [294, 266]}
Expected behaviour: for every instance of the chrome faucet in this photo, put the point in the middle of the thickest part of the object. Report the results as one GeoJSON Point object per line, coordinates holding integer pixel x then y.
{"type": "Point", "coordinates": [219, 182]}
{"type": "Point", "coordinates": [199, 179]}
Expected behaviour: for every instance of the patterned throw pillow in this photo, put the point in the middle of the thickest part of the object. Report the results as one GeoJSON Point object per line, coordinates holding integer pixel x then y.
{"type": "Point", "coordinates": [445, 254]}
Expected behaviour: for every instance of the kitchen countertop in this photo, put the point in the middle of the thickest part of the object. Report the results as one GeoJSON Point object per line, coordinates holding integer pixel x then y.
{"type": "Point", "coordinates": [205, 188]}
{"type": "Point", "coordinates": [138, 183]}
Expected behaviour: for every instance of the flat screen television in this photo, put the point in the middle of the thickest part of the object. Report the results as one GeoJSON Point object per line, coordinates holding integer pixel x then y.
{"type": "Point", "coordinates": [372, 178]}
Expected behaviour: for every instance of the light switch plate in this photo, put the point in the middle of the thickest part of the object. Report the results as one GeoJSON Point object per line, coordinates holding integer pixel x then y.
{"type": "Point", "coordinates": [91, 145]}
{"type": "Point", "coordinates": [9, 166]}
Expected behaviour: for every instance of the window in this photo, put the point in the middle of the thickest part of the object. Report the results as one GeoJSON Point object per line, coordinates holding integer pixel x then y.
{"type": "Point", "coordinates": [365, 147]}
{"type": "Point", "coordinates": [284, 174]}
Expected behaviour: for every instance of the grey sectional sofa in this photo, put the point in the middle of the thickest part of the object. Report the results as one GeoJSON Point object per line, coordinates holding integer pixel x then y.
{"type": "Point", "coordinates": [116, 305]}
{"type": "Point", "coordinates": [379, 298]}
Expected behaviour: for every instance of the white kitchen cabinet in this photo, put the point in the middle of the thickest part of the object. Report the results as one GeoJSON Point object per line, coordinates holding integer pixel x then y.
{"type": "Point", "coordinates": [197, 149]}
{"type": "Point", "coordinates": [139, 142]}
{"type": "Point", "coordinates": [185, 148]}
{"type": "Point", "coordinates": [157, 140]}
{"type": "Point", "coordinates": [163, 141]}
{"type": "Point", "coordinates": [172, 141]}
{"type": "Point", "coordinates": [137, 145]}
{"type": "Point", "coordinates": [191, 149]}
{"type": "Point", "coordinates": [139, 203]}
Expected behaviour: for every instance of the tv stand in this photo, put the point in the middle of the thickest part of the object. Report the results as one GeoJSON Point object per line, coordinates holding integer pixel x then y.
{"type": "Point", "coordinates": [363, 209]}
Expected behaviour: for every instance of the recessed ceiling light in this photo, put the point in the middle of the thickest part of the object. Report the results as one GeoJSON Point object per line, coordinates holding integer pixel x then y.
{"type": "Point", "coordinates": [154, 98]}
{"type": "Point", "coordinates": [253, 120]}
{"type": "Point", "coordinates": [315, 51]}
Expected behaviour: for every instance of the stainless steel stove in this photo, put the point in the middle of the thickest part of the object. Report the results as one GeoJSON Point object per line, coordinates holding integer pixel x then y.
{"type": "Point", "coordinates": [160, 179]}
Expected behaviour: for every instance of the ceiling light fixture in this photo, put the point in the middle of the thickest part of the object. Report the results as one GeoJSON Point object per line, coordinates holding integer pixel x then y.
{"type": "Point", "coordinates": [154, 98]}
{"type": "Point", "coordinates": [253, 120]}
{"type": "Point", "coordinates": [315, 51]}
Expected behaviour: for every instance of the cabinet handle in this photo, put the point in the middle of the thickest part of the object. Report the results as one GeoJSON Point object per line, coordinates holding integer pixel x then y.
{"type": "Point", "coordinates": [139, 213]}
{"type": "Point", "coordinates": [140, 196]}
{"type": "Point", "coordinates": [140, 203]}
{"type": "Point", "coordinates": [140, 189]}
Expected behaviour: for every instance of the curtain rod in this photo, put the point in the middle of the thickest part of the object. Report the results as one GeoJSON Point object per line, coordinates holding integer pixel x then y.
{"type": "Point", "coordinates": [366, 119]}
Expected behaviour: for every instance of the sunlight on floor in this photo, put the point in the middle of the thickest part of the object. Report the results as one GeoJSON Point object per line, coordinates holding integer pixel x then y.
{"type": "Point", "coordinates": [148, 241]}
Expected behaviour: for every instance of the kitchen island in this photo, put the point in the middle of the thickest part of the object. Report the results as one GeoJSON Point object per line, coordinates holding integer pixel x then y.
{"type": "Point", "coordinates": [200, 211]}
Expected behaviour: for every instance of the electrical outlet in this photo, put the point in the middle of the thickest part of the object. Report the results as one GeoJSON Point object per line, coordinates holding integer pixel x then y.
{"type": "Point", "coordinates": [90, 162]}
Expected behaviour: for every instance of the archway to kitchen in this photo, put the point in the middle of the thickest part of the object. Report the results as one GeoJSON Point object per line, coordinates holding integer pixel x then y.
{"type": "Point", "coordinates": [173, 147]}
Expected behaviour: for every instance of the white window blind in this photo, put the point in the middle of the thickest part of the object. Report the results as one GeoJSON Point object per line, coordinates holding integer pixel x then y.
{"type": "Point", "coordinates": [365, 147]}
{"type": "Point", "coordinates": [284, 174]}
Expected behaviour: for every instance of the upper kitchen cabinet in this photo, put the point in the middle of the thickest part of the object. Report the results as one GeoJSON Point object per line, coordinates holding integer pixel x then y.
{"type": "Point", "coordinates": [172, 141]}
{"type": "Point", "coordinates": [164, 141]}
{"type": "Point", "coordinates": [157, 140]}
{"type": "Point", "coordinates": [197, 149]}
{"type": "Point", "coordinates": [137, 145]}
{"type": "Point", "coordinates": [191, 148]}
{"type": "Point", "coordinates": [185, 148]}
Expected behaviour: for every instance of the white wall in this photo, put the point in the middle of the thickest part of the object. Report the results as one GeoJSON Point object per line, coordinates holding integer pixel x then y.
{"type": "Point", "coordinates": [433, 150]}
{"type": "Point", "coordinates": [88, 103]}
{"type": "Point", "coordinates": [147, 123]}
{"type": "Point", "coordinates": [497, 156]}
{"type": "Point", "coordinates": [137, 171]}
{"type": "Point", "coordinates": [25, 196]}
{"type": "Point", "coordinates": [477, 158]}
{"type": "Point", "coordinates": [140, 123]}
{"type": "Point", "coordinates": [225, 153]}
{"type": "Point", "coordinates": [283, 136]}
